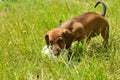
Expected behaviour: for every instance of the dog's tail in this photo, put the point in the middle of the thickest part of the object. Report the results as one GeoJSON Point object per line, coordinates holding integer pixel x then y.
{"type": "Point", "coordinates": [104, 7]}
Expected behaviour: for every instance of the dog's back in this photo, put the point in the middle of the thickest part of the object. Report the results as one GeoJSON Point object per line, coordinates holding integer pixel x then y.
{"type": "Point", "coordinates": [92, 21]}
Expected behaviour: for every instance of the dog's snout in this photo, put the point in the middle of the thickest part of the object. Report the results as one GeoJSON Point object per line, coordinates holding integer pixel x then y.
{"type": "Point", "coordinates": [57, 53]}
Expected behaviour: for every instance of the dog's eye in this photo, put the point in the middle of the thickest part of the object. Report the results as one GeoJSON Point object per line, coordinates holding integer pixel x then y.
{"type": "Point", "coordinates": [60, 41]}
{"type": "Point", "coordinates": [51, 42]}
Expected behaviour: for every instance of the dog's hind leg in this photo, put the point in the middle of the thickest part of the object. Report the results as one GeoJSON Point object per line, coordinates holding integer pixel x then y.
{"type": "Point", "coordinates": [105, 35]}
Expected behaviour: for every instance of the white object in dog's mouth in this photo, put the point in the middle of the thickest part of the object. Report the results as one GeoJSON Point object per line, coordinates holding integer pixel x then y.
{"type": "Point", "coordinates": [46, 50]}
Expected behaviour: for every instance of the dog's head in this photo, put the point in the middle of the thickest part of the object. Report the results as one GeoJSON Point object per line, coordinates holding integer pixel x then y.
{"type": "Point", "coordinates": [59, 39]}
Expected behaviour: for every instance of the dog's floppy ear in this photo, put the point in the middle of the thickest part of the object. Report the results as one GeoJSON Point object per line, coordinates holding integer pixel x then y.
{"type": "Point", "coordinates": [47, 39]}
{"type": "Point", "coordinates": [68, 35]}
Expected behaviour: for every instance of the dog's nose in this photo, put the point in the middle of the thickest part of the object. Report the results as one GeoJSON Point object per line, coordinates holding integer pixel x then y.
{"type": "Point", "coordinates": [57, 53]}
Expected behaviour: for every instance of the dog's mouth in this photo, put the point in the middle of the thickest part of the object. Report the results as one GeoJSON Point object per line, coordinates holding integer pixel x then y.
{"type": "Point", "coordinates": [57, 54]}
{"type": "Point", "coordinates": [56, 51]}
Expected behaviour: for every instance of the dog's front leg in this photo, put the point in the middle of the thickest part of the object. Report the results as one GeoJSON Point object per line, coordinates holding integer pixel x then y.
{"type": "Point", "coordinates": [70, 54]}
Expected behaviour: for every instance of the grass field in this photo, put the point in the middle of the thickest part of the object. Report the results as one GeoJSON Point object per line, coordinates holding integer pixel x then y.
{"type": "Point", "coordinates": [23, 24]}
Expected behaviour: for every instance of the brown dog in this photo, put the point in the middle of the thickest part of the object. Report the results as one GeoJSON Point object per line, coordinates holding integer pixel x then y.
{"type": "Point", "coordinates": [86, 25]}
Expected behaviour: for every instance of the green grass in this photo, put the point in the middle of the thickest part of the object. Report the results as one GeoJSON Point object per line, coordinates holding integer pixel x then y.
{"type": "Point", "coordinates": [23, 24]}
